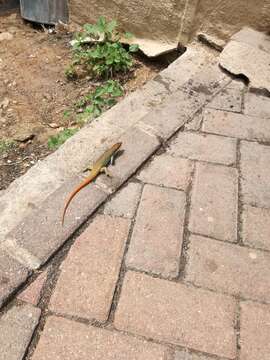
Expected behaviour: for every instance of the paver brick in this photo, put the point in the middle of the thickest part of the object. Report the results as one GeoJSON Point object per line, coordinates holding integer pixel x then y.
{"type": "Point", "coordinates": [125, 202]}
{"type": "Point", "coordinates": [228, 268]}
{"type": "Point", "coordinates": [32, 293]}
{"type": "Point", "coordinates": [229, 99]}
{"type": "Point", "coordinates": [70, 340]}
{"type": "Point", "coordinates": [236, 125]}
{"type": "Point", "coordinates": [254, 163]}
{"type": "Point", "coordinates": [214, 202]}
{"type": "Point", "coordinates": [169, 171]}
{"type": "Point", "coordinates": [16, 330]}
{"type": "Point", "coordinates": [211, 148]}
{"type": "Point", "coordinates": [257, 105]}
{"type": "Point", "coordinates": [186, 355]}
{"type": "Point", "coordinates": [12, 274]}
{"type": "Point", "coordinates": [157, 237]}
{"type": "Point", "coordinates": [256, 227]}
{"type": "Point", "coordinates": [177, 314]}
{"type": "Point", "coordinates": [89, 274]}
{"type": "Point", "coordinates": [254, 331]}
{"type": "Point", "coordinates": [41, 233]}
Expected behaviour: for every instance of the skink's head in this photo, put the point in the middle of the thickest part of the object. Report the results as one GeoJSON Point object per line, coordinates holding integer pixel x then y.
{"type": "Point", "coordinates": [117, 146]}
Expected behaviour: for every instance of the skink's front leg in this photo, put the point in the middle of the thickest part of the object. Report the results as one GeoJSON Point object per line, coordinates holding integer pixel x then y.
{"type": "Point", "coordinates": [106, 171]}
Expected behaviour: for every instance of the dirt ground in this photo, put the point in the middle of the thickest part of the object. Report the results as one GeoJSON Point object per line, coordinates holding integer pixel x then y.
{"type": "Point", "coordinates": [34, 92]}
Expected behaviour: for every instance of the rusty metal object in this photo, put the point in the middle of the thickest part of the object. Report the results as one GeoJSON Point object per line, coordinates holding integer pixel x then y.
{"type": "Point", "coordinates": [45, 11]}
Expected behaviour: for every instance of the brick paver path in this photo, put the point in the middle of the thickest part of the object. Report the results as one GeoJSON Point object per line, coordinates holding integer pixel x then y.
{"type": "Point", "coordinates": [176, 266]}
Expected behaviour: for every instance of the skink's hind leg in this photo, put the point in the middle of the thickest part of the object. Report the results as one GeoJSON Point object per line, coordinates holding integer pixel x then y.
{"type": "Point", "coordinates": [106, 171]}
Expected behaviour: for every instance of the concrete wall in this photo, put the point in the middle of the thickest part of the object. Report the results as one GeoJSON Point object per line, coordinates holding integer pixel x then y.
{"type": "Point", "coordinates": [173, 20]}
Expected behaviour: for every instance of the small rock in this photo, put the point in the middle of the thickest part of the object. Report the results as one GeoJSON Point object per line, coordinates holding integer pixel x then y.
{"type": "Point", "coordinates": [53, 125]}
{"type": "Point", "coordinates": [24, 137]}
{"type": "Point", "coordinates": [4, 104]}
{"type": "Point", "coordinates": [212, 41]}
{"type": "Point", "coordinates": [6, 36]}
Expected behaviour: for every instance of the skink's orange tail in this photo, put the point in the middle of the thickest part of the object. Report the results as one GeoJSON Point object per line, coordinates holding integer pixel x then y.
{"type": "Point", "coordinates": [80, 187]}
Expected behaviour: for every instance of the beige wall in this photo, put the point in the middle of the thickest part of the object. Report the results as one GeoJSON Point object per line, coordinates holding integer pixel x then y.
{"type": "Point", "coordinates": [172, 20]}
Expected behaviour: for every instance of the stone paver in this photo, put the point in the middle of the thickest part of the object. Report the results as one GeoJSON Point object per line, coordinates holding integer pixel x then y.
{"type": "Point", "coordinates": [229, 99]}
{"type": "Point", "coordinates": [16, 330]}
{"type": "Point", "coordinates": [254, 162]}
{"type": "Point", "coordinates": [177, 314]}
{"type": "Point", "coordinates": [89, 274]}
{"type": "Point", "coordinates": [236, 125]}
{"type": "Point", "coordinates": [32, 293]}
{"type": "Point", "coordinates": [12, 274]}
{"type": "Point", "coordinates": [214, 202]}
{"type": "Point", "coordinates": [257, 105]}
{"type": "Point", "coordinates": [229, 268]}
{"type": "Point", "coordinates": [169, 171]}
{"type": "Point", "coordinates": [204, 147]}
{"type": "Point", "coordinates": [256, 227]}
{"type": "Point", "coordinates": [69, 340]}
{"type": "Point", "coordinates": [125, 202]}
{"type": "Point", "coordinates": [254, 331]}
{"type": "Point", "coordinates": [186, 355]}
{"type": "Point", "coordinates": [157, 237]}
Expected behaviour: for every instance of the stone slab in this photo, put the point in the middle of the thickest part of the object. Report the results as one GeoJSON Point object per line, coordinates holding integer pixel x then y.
{"type": "Point", "coordinates": [12, 275]}
{"type": "Point", "coordinates": [255, 170]}
{"type": "Point", "coordinates": [157, 237]}
{"type": "Point", "coordinates": [42, 233]}
{"type": "Point", "coordinates": [256, 227]}
{"type": "Point", "coordinates": [16, 330]}
{"type": "Point", "coordinates": [214, 202]}
{"type": "Point", "coordinates": [254, 38]}
{"type": "Point", "coordinates": [236, 125]}
{"type": "Point", "coordinates": [240, 58]}
{"type": "Point", "coordinates": [203, 147]}
{"type": "Point", "coordinates": [228, 268]}
{"type": "Point", "coordinates": [177, 314]}
{"type": "Point", "coordinates": [91, 270]}
{"type": "Point", "coordinates": [70, 340]}
{"type": "Point", "coordinates": [168, 171]}
{"type": "Point", "coordinates": [254, 331]}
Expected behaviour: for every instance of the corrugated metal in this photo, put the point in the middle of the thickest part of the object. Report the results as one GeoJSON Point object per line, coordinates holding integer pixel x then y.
{"type": "Point", "coordinates": [45, 11]}
{"type": "Point", "coordinates": [8, 5]}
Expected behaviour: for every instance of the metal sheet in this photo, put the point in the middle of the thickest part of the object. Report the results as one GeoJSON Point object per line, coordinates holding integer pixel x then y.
{"type": "Point", "coordinates": [8, 5]}
{"type": "Point", "coordinates": [45, 11]}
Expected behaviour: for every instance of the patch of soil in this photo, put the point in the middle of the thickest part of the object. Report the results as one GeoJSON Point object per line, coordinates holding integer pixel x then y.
{"type": "Point", "coordinates": [34, 92]}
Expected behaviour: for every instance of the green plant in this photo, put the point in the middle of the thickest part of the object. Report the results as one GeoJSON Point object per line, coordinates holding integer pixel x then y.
{"type": "Point", "coordinates": [99, 49]}
{"type": "Point", "coordinates": [70, 72]}
{"type": "Point", "coordinates": [96, 102]}
{"type": "Point", "coordinates": [6, 145]}
{"type": "Point", "coordinates": [55, 141]}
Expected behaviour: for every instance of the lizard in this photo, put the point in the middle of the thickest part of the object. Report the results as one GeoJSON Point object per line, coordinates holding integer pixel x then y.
{"type": "Point", "coordinates": [99, 166]}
